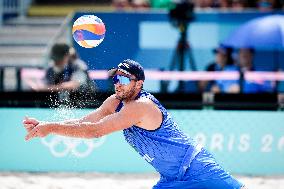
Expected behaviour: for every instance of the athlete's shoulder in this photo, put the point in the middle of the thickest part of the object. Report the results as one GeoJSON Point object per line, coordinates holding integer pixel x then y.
{"type": "Point", "coordinates": [143, 100]}
{"type": "Point", "coordinates": [112, 98]}
{"type": "Point", "coordinates": [142, 104]}
{"type": "Point", "coordinates": [110, 104]}
{"type": "Point", "coordinates": [133, 103]}
{"type": "Point", "coordinates": [147, 97]}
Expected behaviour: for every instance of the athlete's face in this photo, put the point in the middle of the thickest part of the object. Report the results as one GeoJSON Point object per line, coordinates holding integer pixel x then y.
{"type": "Point", "coordinates": [125, 86]}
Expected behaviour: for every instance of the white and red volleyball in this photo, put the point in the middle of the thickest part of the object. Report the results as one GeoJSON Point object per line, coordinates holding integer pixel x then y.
{"type": "Point", "coordinates": [88, 31]}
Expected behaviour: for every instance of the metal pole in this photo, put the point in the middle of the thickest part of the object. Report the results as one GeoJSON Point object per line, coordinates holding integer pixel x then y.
{"type": "Point", "coordinates": [21, 9]}
{"type": "Point", "coordinates": [1, 12]}
{"type": "Point", "coordinates": [2, 79]}
{"type": "Point", "coordinates": [19, 79]}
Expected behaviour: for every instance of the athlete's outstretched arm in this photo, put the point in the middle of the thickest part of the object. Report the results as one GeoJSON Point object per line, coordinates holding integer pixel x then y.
{"type": "Point", "coordinates": [108, 107]}
{"type": "Point", "coordinates": [105, 109]}
{"type": "Point", "coordinates": [129, 115]}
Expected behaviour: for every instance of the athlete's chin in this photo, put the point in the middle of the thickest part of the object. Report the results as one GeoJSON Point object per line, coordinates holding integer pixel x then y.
{"type": "Point", "coordinates": [119, 96]}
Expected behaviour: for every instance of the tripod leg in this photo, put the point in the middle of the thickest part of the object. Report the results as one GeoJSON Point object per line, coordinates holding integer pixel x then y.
{"type": "Point", "coordinates": [174, 60]}
{"type": "Point", "coordinates": [165, 83]}
{"type": "Point", "coordinates": [191, 59]}
{"type": "Point", "coordinates": [193, 85]}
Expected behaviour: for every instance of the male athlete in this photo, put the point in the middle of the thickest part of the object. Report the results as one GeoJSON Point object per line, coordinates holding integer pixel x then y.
{"type": "Point", "coordinates": [149, 129]}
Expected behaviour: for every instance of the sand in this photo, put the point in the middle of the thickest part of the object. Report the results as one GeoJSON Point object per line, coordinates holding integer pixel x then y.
{"type": "Point", "coordinates": [23, 180]}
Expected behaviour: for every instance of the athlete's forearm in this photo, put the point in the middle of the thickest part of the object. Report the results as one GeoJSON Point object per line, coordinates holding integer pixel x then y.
{"type": "Point", "coordinates": [88, 129]}
{"type": "Point", "coordinates": [71, 121]}
{"type": "Point", "coordinates": [94, 118]}
{"type": "Point", "coordinates": [78, 130]}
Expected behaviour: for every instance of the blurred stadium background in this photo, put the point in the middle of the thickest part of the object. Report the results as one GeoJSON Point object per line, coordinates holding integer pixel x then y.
{"type": "Point", "coordinates": [244, 131]}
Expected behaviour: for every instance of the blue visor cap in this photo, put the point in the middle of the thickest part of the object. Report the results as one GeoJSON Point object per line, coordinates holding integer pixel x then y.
{"type": "Point", "coordinates": [129, 67]}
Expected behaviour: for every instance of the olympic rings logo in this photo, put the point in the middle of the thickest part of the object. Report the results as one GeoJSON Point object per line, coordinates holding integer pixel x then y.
{"type": "Point", "coordinates": [61, 146]}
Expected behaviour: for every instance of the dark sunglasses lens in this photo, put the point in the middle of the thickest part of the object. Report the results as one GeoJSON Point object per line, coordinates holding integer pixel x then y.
{"type": "Point", "coordinates": [121, 80]}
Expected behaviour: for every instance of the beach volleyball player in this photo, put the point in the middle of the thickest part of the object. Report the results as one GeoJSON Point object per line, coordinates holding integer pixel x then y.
{"type": "Point", "coordinates": [149, 129]}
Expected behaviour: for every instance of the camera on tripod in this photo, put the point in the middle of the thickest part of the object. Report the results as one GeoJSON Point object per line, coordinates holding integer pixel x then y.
{"type": "Point", "coordinates": [182, 13]}
{"type": "Point", "coordinates": [180, 17]}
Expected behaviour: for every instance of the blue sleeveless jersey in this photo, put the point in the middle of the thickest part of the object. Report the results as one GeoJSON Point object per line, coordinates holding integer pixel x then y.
{"type": "Point", "coordinates": [167, 148]}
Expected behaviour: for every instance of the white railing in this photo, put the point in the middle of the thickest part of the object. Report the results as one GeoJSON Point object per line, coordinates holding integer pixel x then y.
{"type": "Point", "coordinates": [29, 74]}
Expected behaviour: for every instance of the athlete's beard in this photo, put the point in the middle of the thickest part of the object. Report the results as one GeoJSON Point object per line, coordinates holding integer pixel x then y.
{"type": "Point", "coordinates": [126, 95]}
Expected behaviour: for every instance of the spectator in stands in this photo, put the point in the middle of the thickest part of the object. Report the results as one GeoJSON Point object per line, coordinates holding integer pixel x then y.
{"type": "Point", "coordinates": [224, 4]}
{"type": "Point", "coordinates": [245, 62]}
{"type": "Point", "coordinates": [221, 4]}
{"type": "Point", "coordinates": [66, 71]}
{"type": "Point", "coordinates": [239, 5]}
{"type": "Point", "coordinates": [80, 69]}
{"type": "Point", "coordinates": [245, 58]}
{"type": "Point", "coordinates": [121, 4]}
{"type": "Point", "coordinates": [223, 62]}
{"type": "Point", "coordinates": [262, 5]}
{"type": "Point", "coordinates": [266, 5]}
{"type": "Point", "coordinates": [204, 3]}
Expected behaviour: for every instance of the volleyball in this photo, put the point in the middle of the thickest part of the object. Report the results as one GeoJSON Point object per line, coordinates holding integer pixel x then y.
{"type": "Point", "coordinates": [88, 31]}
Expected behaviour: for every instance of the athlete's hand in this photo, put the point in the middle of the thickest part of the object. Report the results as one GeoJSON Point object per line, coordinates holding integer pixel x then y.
{"type": "Point", "coordinates": [30, 123]}
{"type": "Point", "coordinates": [40, 130]}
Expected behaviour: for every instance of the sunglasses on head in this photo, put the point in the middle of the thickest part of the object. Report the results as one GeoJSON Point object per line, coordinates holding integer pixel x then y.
{"type": "Point", "coordinates": [123, 80]}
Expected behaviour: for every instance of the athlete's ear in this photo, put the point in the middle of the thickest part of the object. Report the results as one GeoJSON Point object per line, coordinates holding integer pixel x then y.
{"type": "Point", "coordinates": [139, 84]}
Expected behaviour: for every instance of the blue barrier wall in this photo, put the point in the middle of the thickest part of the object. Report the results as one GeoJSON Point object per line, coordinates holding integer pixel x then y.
{"type": "Point", "coordinates": [243, 142]}
{"type": "Point", "coordinates": [150, 38]}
